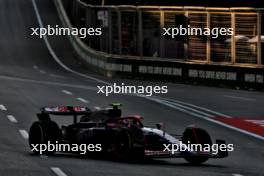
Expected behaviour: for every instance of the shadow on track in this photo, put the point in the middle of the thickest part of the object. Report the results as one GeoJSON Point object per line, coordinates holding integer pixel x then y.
{"type": "Point", "coordinates": [145, 162]}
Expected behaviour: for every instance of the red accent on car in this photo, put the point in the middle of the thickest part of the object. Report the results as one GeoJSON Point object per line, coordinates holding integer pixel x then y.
{"type": "Point", "coordinates": [62, 109]}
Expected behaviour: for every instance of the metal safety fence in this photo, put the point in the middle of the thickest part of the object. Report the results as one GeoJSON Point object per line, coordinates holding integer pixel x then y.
{"type": "Point", "coordinates": [137, 31]}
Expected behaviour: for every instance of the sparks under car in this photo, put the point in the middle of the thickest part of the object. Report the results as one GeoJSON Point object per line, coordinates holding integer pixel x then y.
{"type": "Point", "coordinates": [121, 137]}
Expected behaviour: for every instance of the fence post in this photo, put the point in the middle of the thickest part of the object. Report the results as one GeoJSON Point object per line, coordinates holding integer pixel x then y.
{"type": "Point", "coordinates": [208, 43]}
{"type": "Point", "coordinates": [162, 40]}
{"type": "Point", "coordinates": [233, 41]}
{"type": "Point", "coordinates": [88, 22]}
{"type": "Point", "coordinates": [259, 47]}
{"type": "Point", "coordinates": [110, 30]}
{"type": "Point", "coordinates": [140, 33]}
{"type": "Point", "coordinates": [119, 23]}
{"type": "Point", "coordinates": [186, 44]}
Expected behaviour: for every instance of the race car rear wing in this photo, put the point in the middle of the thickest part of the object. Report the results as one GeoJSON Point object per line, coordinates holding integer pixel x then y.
{"type": "Point", "coordinates": [64, 111]}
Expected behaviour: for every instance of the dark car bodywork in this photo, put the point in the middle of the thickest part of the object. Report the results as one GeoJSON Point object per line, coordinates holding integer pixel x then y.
{"type": "Point", "coordinates": [124, 137]}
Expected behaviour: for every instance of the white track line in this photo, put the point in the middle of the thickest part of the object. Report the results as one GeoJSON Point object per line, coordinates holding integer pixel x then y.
{"type": "Point", "coordinates": [197, 107]}
{"type": "Point", "coordinates": [58, 171]}
{"type": "Point", "coordinates": [46, 83]}
{"type": "Point", "coordinates": [191, 109]}
{"type": "Point", "coordinates": [3, 108]}
{"type": "Point", "coordinates": [240, 98]}
{"type": "Point", "coordinates": [56, 76]}
{"type": "Point", "coordinates": [24, 134]}
{"type": "Point", "coordinates": [82, 100]}
{"type": "Point", "coordinates": [11, 118]}
{"type": "Point", "coordinates": [237, 175]}
{"type": "Point", "coordinates": [42, 72]}
{"type": "Point", "coordinates": [55, 57]}
{"type": "Point", "coordinates": [257, 122]}
{"type": "Point", "coordinates": [97, 108]}
{"type": "Point", "coordinates": [67, 92]}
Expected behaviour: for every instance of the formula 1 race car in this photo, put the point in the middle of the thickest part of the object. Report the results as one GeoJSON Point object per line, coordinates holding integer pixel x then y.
{"type": "Point", "coordinates": [121, 137]}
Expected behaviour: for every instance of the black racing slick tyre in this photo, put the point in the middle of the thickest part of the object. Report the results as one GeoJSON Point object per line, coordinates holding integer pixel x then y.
{"type": "Point", "coordinates": [193, 135]}
{"type": "Point", "coordinates": [123, 145]}
{"type": "Point", "coordinates": [41, 134]}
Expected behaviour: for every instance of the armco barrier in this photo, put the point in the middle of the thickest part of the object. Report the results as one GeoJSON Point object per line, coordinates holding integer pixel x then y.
{"type": "Point", "coordinates": [164, 69]}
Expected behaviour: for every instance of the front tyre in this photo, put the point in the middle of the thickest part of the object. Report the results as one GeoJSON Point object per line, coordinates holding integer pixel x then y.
{"type": "Point", "coordinates": [194, 135]}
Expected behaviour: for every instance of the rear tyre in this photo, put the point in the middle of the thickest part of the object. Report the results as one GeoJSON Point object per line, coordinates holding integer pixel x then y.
{"type": "Point", "coordinates": [138, 154]}
{"type": "Point", "coordinates": [196, 136]}
{"type": "Point", "coordinates": [44, 132]}
{"type": "Point", "coordinates": [123, 145]}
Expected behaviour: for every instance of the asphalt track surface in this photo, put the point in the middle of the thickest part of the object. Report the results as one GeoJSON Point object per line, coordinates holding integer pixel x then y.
{"type": "Point", "coordinates": [30, 79]}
